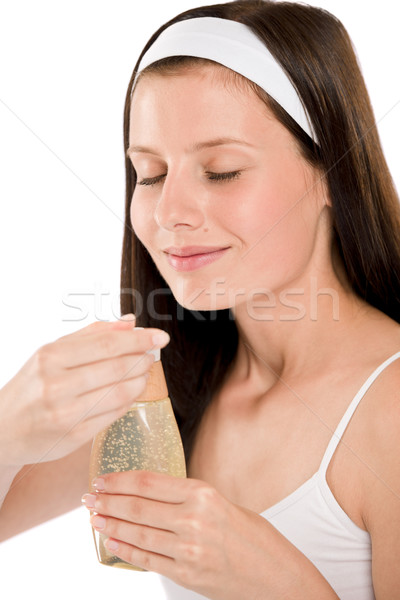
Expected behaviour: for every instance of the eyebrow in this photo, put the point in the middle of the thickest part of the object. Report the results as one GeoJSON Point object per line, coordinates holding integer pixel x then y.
{"type": "Point", "coordinates": [221, 141]}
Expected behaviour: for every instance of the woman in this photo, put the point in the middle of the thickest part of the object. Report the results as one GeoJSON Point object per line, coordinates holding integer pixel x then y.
{"type": "Point", "coordinates": [265, 236]}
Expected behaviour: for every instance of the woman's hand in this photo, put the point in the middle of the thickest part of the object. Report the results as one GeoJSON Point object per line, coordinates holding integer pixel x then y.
{"type": "Point", "coordinates": [184, 529]}
{"type": "Point", "coordinates": [72, 388]}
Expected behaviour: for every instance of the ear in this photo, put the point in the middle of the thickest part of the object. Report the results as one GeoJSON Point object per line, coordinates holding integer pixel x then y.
{"type": "Point", "coordinates": [323, 191]}
{"type": "Point", "coordinates": [327, 197]}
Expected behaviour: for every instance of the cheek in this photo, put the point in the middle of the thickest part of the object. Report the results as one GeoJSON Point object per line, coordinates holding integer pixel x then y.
{"type": "Point", "coordinates": [253, 210]}
{"type": "Point", "coordinates": [276, 224]}
{"type": "Point", "coordinates": [276, 204]}
{"type": "Point", "coordinates": [142, 221]}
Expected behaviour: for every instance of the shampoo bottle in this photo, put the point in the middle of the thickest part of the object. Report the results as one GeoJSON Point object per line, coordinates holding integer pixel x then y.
{"type": "Point", "coordinates": [145, 438]}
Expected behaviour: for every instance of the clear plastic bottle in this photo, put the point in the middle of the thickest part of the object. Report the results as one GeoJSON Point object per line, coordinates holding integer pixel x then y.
{"type": "Point", "coordinates": [145, 438]}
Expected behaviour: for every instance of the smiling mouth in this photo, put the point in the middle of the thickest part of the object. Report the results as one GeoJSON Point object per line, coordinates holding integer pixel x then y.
{"type": "Point", "coordinates": [193, 257]}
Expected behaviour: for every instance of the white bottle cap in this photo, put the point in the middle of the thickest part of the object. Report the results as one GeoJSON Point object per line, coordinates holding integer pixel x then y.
{"type": "Point", "coordinates": [156, 352]}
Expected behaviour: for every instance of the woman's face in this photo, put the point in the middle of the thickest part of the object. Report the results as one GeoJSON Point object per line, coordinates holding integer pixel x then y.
{"type": "Point", "coordinates": [224, 203]}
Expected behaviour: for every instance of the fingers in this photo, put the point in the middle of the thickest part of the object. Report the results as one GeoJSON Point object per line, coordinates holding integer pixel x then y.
{"type": "Point", "coordinates": [147, 484]}
{"type": "Point", "coordinates": [149, 561]}
{"type": "Point", "coordinates": [92, 377]}
{"type": "Point", "coordinates": [126, 322]}
{"type": "Point", "coordinates": [109, 343]}
{"type": "Point", "coordinates": [100, 407]}
{"type": "Point", "coordinates": [133, 509]}
{"type": "Point", "coordinates": [140, 536]}
{"type": "Point", "coordinates": [183, 540]}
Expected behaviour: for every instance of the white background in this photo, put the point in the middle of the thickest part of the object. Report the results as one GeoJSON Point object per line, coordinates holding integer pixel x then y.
{"type": "Point", "coordinates": [64, 69]}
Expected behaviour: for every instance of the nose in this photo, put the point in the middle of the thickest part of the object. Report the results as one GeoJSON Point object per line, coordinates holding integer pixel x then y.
{"type": "Point", "coordinates": [179, 205]}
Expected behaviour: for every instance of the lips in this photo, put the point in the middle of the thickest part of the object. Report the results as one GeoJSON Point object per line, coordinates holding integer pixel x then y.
{"type": "Point", "coordinates": [189, 258]}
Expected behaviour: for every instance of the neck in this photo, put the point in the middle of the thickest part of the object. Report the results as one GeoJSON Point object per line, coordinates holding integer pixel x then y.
{"type": "Point", "coordinates": [298, 330]}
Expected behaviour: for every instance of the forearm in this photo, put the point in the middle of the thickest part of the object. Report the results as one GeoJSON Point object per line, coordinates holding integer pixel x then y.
{"type": "Point", "coordinates": [7, 475]}
{"type": "Point", "coordinates": [53, 488]}
{"type": "Point", "coordinates": [284, 584]}
{"type": "Point", "coordinates": [308, 584]}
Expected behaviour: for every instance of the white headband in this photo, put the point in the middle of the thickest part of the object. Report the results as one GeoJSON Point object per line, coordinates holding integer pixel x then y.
{"type": "Point", "coordinates": [235, 46]}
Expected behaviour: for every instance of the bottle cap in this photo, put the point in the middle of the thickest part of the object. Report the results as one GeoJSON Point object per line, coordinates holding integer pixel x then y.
{"type": "Point", "coordinates": [156, 352]}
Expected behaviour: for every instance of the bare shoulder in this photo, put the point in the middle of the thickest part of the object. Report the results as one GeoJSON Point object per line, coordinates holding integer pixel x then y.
{"type": "Point", "coordinates": [381, 473]}
{"type": "Point", "coordinates": [383, 420]}
{"type": "Point", "coordinates": [382, 409]}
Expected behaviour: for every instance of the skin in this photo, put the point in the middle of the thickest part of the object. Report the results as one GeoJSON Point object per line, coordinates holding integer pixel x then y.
{"type": "Point", "coordinates": [275, 219]}
{"type": "Point", "coordinates": [51, 409]}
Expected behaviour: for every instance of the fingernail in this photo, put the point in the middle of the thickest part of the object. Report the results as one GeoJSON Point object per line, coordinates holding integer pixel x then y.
{"type": "Point", "coordinates": [128, 317]}
{"type": "Point", "coordinates": [160, 339]}
{"type": "Point", "coordinates": [111, 545]}
{"type": "Point", "coordinates": [89, 500]}
{"type": "Point", "coordinates": [99, 484]}
{"type": "Point", "coordinates": [98, 522]}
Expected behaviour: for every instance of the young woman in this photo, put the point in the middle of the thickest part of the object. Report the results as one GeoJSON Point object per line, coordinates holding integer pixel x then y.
{"type": "Point", "coordinates": [262, 230]}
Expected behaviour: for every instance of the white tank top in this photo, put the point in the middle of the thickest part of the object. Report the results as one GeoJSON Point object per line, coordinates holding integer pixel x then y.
{"type": "Point", "coordinates": [312, 520]}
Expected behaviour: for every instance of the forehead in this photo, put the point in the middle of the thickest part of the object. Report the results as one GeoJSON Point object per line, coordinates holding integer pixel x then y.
{"type": "Point", "coordinates": [196, 98]}
{"type": "Point", "coordinates": [204, 73]}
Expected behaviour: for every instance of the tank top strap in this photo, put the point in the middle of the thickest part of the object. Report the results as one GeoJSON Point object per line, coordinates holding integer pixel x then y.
{"type": "Point", "coordinates": [340, 429]}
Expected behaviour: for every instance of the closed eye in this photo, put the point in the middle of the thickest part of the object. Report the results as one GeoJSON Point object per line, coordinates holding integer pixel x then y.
{"type": "Point", "coordinates": [224, 176]}
{"type": "Point", "coordinates": [216, 177]}
{"type": "Point", "coordinates": [151, 180]}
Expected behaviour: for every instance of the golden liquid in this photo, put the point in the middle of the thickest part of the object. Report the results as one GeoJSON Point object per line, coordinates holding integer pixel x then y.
{"type": "Point", "coordinates": [145, 438]}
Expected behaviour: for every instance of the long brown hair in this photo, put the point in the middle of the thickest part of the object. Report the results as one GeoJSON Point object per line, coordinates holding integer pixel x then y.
{"type": "Point", "coordinates": [315, 50]}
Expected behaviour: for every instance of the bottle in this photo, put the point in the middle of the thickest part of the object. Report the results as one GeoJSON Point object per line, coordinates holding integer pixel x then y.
{"type": "Point", "coordinates": [145, 438]}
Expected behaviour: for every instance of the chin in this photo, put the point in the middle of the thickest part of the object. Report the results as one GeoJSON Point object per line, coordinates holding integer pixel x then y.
{"type": "Point", "coordinates": [201, 299]}
{"type": "Point", "coordinates": [202, 304]}
{"type": "Point", "coordinates": [200, 291]}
